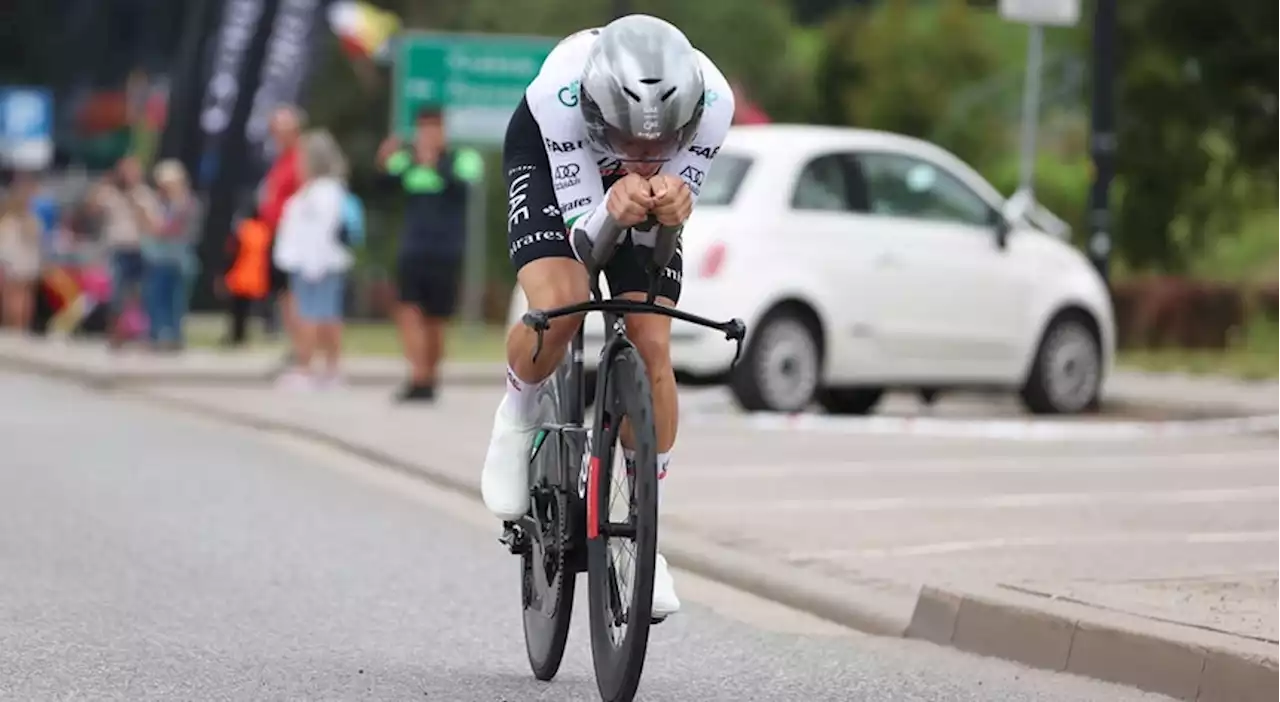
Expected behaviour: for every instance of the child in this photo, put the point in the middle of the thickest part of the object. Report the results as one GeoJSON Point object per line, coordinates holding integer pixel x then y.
{"type": "Point", "coordinates": [248, 275]}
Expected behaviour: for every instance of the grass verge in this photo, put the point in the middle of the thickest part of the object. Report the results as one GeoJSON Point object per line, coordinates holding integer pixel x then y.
{"type": "Point", "coordinates": [474, 343]}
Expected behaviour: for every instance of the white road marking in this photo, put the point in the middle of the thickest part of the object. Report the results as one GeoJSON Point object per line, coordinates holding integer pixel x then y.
{"type": "Point", "coordinates": [1261, 493]}
{"type": "Point", "coordinates": [1111, 539]}
{"type": "Point", "coordinates": [1003, 429]}
{"type": "Point", "coordinates": [1243, 460]}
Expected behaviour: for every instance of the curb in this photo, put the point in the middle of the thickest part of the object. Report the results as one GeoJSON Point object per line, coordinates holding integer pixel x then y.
{"type": "Point", "coordinates": [1124, 649]}
{"type": "Point", "coordinates": [1054, 635]}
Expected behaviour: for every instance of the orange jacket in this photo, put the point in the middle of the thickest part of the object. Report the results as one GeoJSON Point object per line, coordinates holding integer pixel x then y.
{"type": "Point", "coordinates": [250, 271]}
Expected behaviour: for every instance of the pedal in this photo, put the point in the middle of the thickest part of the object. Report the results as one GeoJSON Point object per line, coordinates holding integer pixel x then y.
{"type": "Point", "coordinates": [513, 539]}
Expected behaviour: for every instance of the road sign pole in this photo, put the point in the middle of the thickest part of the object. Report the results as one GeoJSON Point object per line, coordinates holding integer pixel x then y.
{"type": "Point", "coordinates": [1031, 106]}
{"type": "Point", "coordinates": [476, 267]}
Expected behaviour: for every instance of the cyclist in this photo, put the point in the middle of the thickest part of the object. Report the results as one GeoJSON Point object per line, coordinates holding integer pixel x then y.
{"type": "Point", "coordinates": [623, 120]}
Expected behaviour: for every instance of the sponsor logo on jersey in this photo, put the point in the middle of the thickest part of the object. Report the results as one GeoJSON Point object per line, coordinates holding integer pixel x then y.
{"type": "Point", "coordinates": [562, 147]}
{"type": "Point", "coordinates": [704, 151]}
{"type": "Point", "coordinates": [535, 237]}
{"type": "Point", "coordinates": [566, 176]}
{"type": "Point", "coordinates": [710, 97]}
{"type": "Point", "coordinates": [568, 95]}
{"type": "Point", "coordinates": [693, 175]}
{"type": "Point", "coordinates": [580, 202]}
{"type": "Point", "coordinates": [517, 209]}
{"type": "Point", "coordinates": [551, 211]}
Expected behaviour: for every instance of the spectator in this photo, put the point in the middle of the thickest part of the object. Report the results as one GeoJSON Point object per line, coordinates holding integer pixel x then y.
{"type": "Point", "coordinates": [435, 180]}
{"type": "Point", "coordinates": [247, 278]}
{"type": "Point", "coordinates": [20, 233]}
{"type": "Point", "coordinates": [128, 205]}
{"type": "Point", "coordinates": [281, 182]}
{"type": "Point", "coordinates": [310, 249]}
{"type": "Point", "coordinates": [166, 249]}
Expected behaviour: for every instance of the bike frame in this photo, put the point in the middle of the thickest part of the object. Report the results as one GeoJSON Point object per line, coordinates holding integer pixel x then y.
{"type": "Point", "coordinates": [614, 311]}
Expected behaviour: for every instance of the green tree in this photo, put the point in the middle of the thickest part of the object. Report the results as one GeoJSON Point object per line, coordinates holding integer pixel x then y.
{"type": "Point", "coordinates": [1197, 113]}
{"type": "Point", "coordinates": [898, 66]}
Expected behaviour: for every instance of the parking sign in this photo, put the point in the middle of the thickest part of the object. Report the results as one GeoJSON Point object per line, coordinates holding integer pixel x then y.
{"type": "Point", "coordinates": [26, 127]}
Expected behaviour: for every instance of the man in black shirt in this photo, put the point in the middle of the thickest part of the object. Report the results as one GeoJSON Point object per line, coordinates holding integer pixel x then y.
{"type": "Point", "coordinates": [436, 181]}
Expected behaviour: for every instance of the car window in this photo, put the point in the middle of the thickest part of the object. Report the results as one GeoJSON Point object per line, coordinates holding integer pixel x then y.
{"type": "Point", "coordinates": [723, 179]}
{"type": "Point", "coordinates": [898, 185]}
{"type": "Point", "coordinates": [823, 185]}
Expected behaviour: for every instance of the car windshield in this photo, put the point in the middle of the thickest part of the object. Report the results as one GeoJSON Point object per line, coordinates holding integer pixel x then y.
{"type": "Point", "coordinates": [723, 180]}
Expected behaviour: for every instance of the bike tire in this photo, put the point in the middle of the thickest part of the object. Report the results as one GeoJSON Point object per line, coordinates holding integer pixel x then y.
{"type": "Point", "coordinates": [548, 610]}
{"type": "Point", "coordinates": [619, 664]}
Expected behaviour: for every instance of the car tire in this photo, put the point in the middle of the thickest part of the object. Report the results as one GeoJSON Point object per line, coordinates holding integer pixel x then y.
{"type": "Point", "coordinates": [782, 366]}
{"type": "Point", "coordinates": [1066, 376]}
{"type": "Point", "coordinates": [857, 401]}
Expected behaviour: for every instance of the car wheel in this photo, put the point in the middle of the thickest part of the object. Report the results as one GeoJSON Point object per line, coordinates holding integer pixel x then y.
{"type": "Point", "coordinates": [1066, 377]}
{"type": "Point", "coordinates": [781, 367]}
{"type": "Point", "coordinates": [850, 400]}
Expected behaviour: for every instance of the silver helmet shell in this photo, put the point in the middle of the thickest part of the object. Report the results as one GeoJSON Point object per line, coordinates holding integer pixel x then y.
{"type": "Point", "coordinates": [642, 91]}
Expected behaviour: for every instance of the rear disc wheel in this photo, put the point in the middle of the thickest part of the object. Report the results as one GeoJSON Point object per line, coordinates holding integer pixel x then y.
{"type": "Point", "coordinates": [546, 582]}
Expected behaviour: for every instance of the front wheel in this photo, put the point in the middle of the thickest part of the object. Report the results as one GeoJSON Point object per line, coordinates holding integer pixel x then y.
{"type": "Point", "coordinates": [622, 528]}
{"type": "Point", "coordinates": [546, 579]}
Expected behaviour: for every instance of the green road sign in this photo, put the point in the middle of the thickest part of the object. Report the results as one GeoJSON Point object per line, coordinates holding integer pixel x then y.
{"type": "Point", "coordinates": [477, 79]}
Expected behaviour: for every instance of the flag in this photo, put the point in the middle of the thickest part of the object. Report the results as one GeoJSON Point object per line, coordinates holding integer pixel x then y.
{"type": "Point", "coordinates": [364, 31]}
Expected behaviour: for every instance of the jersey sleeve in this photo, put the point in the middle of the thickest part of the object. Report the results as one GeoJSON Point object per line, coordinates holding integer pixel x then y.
{"type": "Point", "coordinates": [692, 164]}
{"type": "Point", "coordinates": [553, 100]}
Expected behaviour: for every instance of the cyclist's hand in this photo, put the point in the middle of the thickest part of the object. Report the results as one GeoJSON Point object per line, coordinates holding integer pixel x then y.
{"type": "Point", "coordinates": [630, 200]}
{"type": "Point", "coordinates": [672, 201]}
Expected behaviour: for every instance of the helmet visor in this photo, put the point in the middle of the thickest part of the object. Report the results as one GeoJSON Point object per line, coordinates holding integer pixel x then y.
{"type": "Point", "coordinates": [637, 149]}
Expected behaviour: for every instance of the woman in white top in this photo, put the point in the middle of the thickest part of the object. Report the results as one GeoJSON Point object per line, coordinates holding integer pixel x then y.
{"type": "Point", "coordinates": [20, 231]}
{"type": "Point", "coordinates": [311, 250]}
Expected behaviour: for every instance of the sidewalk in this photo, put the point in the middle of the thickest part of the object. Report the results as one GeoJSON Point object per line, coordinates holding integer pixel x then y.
{"type": "Point", "coordinates": [1150, 564]}
{"type": "Point", "coordinates": [1126, 393]}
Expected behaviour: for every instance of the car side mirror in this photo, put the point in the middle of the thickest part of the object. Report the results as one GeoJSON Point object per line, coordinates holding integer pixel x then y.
{"type": "Point", "coordinates": [1003, 229]}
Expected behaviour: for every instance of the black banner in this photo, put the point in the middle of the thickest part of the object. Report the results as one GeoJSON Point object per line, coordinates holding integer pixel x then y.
{"type": "Point", "coordinates": [235, 67]}
{"type": "Point", "coordinates": [291, 51]}
{"type": "Point", "coordinates": [182, 136]}
{"type": "Point", "coordinates": [262, 59]}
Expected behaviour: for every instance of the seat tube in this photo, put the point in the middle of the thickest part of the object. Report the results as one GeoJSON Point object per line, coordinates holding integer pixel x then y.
{"type": "Point", "coordinates": [576, 386]}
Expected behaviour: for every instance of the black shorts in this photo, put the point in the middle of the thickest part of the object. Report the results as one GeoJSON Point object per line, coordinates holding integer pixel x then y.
{"type": "Point", "coordinates": [430, 283]}
{"type": "Point", "coordinates": [542, 233]}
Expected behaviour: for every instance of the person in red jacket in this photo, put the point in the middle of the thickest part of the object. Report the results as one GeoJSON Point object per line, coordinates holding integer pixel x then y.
{"type": "Point", "coordinates": [281, 182]}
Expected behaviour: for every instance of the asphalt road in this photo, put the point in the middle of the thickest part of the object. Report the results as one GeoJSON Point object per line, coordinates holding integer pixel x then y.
{"type": "Point", "coordinates": [149, 555]}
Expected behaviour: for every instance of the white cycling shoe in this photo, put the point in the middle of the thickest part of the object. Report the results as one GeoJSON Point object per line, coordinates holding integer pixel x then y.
{"type": "Point", "coordinates": [665, 602]}
{"type": "Point", "coordinates": [504, 483]}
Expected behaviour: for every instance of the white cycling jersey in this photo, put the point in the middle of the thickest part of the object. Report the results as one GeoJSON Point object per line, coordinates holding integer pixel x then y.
{"type": "Point", "coordinates": [577, 169]}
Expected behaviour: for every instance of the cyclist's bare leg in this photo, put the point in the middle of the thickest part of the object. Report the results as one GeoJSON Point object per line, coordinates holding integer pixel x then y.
{"type": "Point", "coordinates": [651, 334]}
{"type": "Point", "coordinates": [547, 283]}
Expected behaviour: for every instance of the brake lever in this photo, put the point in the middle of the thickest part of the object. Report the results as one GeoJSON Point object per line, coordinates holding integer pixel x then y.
{"type": "Point", "coordinates": [537, 321]}
{"type": "Point", "coordinates": [735, 330]}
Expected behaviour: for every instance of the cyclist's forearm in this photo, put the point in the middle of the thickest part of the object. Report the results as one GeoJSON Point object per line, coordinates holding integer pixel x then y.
{"type": "Point", "coordinates": [592, 222]}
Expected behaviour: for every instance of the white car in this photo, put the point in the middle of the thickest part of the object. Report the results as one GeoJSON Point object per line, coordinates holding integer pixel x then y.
{"type": "Point", "coordinates": [863, 261]}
